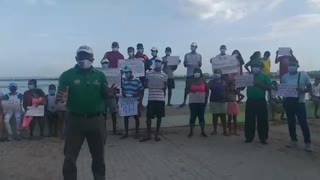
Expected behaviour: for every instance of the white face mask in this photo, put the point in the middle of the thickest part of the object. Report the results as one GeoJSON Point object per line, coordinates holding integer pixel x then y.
{"type": "Point", "coordinates": [115, 49]}
{"type": "Point", "coordinates": [197, 75]}
{"type": "Point", "coordinates": [85, 64]}
{"type": "Point", "coordinates": [154, 54]}
{"type": "Point", "coordinates": [140, 51]}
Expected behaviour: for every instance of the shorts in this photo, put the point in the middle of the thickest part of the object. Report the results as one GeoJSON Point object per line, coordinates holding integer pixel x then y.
{"type": "Point", "coordinates": [188, 81]}
{"type": "Point", "coordinates": [218, 108]}
{"type": "Point", "coordinates": [171, 84]}
{"type": "Point", "coordinates": [233, 108]}
{"type": "Point", "coordinates": [111, 105]}
{"type": "Point", "coordinates": [155, 109]}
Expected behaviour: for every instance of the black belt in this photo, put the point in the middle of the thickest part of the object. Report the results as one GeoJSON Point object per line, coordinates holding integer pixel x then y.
{"type": "Point", "coordinates": [88, 115]}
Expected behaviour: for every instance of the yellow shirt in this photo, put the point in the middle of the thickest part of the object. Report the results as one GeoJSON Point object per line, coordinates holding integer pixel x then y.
{"type": "Point", "coordinates": [266, 66]}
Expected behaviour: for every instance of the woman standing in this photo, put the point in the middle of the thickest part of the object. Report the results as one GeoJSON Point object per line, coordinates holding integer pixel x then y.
{"type": "Point", "coordinates": [198, 95]}
{"type": "Point", "coordinates": [238, 56]}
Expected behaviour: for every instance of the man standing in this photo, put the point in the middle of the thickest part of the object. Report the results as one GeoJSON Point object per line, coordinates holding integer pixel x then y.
{"type": "Point", "coordinates": [86, 89]}
{"type": "Point", "coordinates": [113, 56]}
{"type": "Point", "coordinates": [191, 61]}
{"type": "Point", "coordinates": [284, 63]}
{"type": "Point", "coordinates": [147, 65]}
{"type": "Point", "coordinates": [169, 72]}
{"type": "Point", "coordinates": [295, 106]}
{"type": "Point", "coordinates": [154, 54]}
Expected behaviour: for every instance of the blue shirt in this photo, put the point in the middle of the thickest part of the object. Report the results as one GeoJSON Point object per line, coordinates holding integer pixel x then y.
{"type": "Point", "coordinates": [293, 80]}
{"type": "Point", "coordinates": [132, 86]}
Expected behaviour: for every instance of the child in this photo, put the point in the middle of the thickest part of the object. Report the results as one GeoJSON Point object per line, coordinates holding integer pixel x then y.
{"type": "Point", "coordinates": [131, 88]}
{"type": "Point", "coordinates": [316, 96]}
{"type": "Point", "coordinates": [275, 100]}
{"type": "Point", "coordinates": [51, 112]}
{"type": "Point", "coordinates": [218, 101]}
{"type": "Point", "coordinates": [233, 107]}
{"type": "Point", "coordinates": [16, 111]}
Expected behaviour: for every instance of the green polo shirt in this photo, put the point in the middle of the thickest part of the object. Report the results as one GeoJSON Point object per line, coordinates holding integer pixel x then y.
{"type": "Point", "coordinates": [256, 92]}
{"type": "Point", "coordinates": [85, 90]}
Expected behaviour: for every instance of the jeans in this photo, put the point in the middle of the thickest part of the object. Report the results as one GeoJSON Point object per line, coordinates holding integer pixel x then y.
{"type": "Point", "coordinates": [298, 110]}
{"type": "Point", "coordinates": [197, 110]}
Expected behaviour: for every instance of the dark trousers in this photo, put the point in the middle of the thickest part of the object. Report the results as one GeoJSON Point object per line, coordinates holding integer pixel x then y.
{"type": "Point", "coordinates": [52, 123]}
{"type": "Point", "coordinates": [197, 111]}
{"type": "Point", "coordinates": [298, 110]}
{"type": "Point", "coordinates": [40, 121]}
{"type": "Point", "coordinates": [78, 129]}
{"type": "Point", "coordinates": [256, 111]}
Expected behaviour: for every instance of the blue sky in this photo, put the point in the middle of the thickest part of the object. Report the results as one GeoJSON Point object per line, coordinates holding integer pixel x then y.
{"type": "Point", "coordinates": [40, 37]}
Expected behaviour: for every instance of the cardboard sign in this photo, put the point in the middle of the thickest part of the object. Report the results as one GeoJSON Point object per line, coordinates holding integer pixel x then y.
{"type": "Point", "coordinates": [244, 80]}
{"type": "Point", "coordinates": [287, 90]}
{"type": "Point", "coordinates": [227, 64]}
{"type": "Point", "coordinates": [137, 66]}
{"type": "Point", "coordinates": [35, 111]}
{"type": "Point", "coordinates": [173, 60]}
{"type": "Point", "coordinates": [284, 51]}
{"type": "Point", "coordinates": [11, 105]}
{"type": "Point", "coordinates": [197, 97]}
{"type": "Point", "coordinates": [128, 106]}
{"type": "Point", "coordinates": [113, 76]}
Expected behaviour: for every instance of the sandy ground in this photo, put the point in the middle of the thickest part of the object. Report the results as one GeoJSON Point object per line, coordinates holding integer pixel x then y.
{"type": "Point", "coordinates": [176, 157]}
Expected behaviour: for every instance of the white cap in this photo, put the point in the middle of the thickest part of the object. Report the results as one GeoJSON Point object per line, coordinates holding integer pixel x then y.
{"type": "Point", "coordinates": [86, 49]}
{"type": "Point", "coordinates": [194, 44]}
{"type": "Point", "coordinates": [104, 61]}
{"type": "Point", "coordinates": [154, 49]}
{"type": "Point", "coordinates": [158, 59]}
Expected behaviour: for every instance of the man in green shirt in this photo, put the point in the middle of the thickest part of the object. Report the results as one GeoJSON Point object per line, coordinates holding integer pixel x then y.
{"type": "Point", "coordinates": [256, 105]}
{"type": "Point", "coordinates": [85, 90]}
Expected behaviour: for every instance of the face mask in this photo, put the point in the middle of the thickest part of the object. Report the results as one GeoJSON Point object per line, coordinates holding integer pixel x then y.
{"type": "Point", "coordinates": [293, 69]}
{"type": "Point", "coordinates": [105, 66]}
{"type": "Point", "coordinates": [154, 54]}
{"type": "Point", "coordinates": [52, 91]}
{"type": "Point", "coordinates": [13, 89]}
{"type": "Point", "coordinates": [196, 75]}
{"type": "Point", "coordinates": [85, 64]}
{"type": "Point", "coordinates": [31, 86]}
{"type": "Point", "coordinates": [140, 51]}
{"type": "Point", "coordinates": [115, 49]}
{"type": "Point", "coordinates": [168, 53]}
{"type": "Point", "coordinates": [158, 64]}
{"type": "Point", "coordinates": [255, 70]}
{"type": "Point", "coordinates": [130, 54]}
{"type": "Point", "coordinates": [216, 76]}
{"type": "Point", "coordinates": [193, 49]}
{"type": "Point", "coordinates": [127, 75]}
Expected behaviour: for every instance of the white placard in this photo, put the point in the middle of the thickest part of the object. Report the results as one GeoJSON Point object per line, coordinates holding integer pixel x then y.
{"type": "Point", "coordinates": [244, 80]}
{"type": "Point", "coordinates": [11, 105]}
{"type": "Point", "coordinates": [35, 111]}
{"type": "Point", "coordinates": [113, 76]}
{"type": "Point", "coordinates": [227, 64]}
{"type": "Point", "coordinates": [128, 106]}
{"type": "Point", "coordinates": [137, 66]}
{"type": "Point", "coordinates": [173, 60]}
{"type": "Point", "coordinates": [197, 97]}
{"type": "Point", "coordinates": [284, 51]}
{"type": "Point", "coordinates": [287, 90]}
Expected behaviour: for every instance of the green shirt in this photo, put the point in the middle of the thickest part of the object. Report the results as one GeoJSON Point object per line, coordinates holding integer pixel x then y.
{"type": "Point", "coordinates": [256, 92]}
{"type": "Point", "coordinates": [85, 90]}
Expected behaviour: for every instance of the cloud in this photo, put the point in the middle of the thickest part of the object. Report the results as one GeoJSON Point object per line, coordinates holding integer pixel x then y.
{"type": "Point", "coordinates": [289, 26]}
{"type": "Point", "coordinates": [226, 10]}
{"type": "Point", "coordinates": [45, 2]}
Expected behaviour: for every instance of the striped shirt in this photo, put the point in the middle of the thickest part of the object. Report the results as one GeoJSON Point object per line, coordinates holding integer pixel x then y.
{"type": "Point", "coordinates": [156, 94]}
{"type": "Point", "coordinates": [132, 87]}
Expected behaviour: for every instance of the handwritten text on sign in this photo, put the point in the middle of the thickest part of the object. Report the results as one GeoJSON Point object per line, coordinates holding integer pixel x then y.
{"type": "Point", "coordinates": [287, 90]}
{"type": "Point", "coordinates": [11, 105]}
{"type": "Point", "coordinates": [35, 111]}
{"type": "Point", "coordinates": [128, 106]}
{"type": "Point", "coordinates": [244, 80]}
{"type": "Point", "coordinates": [137, 66]}
{"type": "Point", "coordinates": [113, 76]}
{"type": "Point", "coordinates": [227, 64]}
{"type": "Point", "coordinates": [173, 60]}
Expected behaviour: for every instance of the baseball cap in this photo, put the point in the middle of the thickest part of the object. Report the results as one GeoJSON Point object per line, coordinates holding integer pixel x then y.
{"type": "Point", "coordinates": [86, 49]}
{"type": "Point", "coordinates": [115, 44]}
{"type": "Point", "coordinates": [154, 49]}
{"type": "Point", "coordinates": [127, 69]}
{"type": "Point", "coordinates": [158, 59]}
{"type": "Point", "coordinates": [194, 44]}
{"type": "Point", "coordinates": [104, 61]}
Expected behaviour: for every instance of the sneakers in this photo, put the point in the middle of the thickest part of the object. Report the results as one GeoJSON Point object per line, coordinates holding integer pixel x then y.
{"type": "Point", "coordinates": [292, 144]}
{"type": "Point", "coordinates": [308, 147]}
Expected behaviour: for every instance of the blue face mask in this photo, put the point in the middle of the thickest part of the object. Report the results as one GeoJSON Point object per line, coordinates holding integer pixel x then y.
{"type": "Point", "coordinates": [256, 70]}
{"type": "Point", "coordinates": [52, 91]}
{"type": "Point", "coordinates": [157, 64]}
{"type": "Point", "coordinates": [293, 69]}
{"type": "Point", "coordinates": [216, 76]}
{"type": "Point", "coordinates": [31, 86]}
{"type": "Point", "coordinates": [105, 66]}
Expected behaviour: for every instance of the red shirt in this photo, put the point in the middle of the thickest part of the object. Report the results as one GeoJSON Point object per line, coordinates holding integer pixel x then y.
{"type": "Point", "coordinates": [284, 65]}
{"type": "Point", "coordinates": [113, 57]}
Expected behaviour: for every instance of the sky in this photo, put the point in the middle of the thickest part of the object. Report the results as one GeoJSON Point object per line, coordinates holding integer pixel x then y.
{"type": "Point", "coordinates": [40, 37]}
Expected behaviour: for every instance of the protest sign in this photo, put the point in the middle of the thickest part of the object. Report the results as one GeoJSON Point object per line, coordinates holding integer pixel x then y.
{"type": "Point", "coordinates": [113, 76]}
{"type": "Point", "coordinates": [227, 64]}
{"type": "Point", "coordinates": [197, 97]}
{"type": "Point", "coordinates": [35, 111]}
{"type": "Point", "coordinates": [244, 80]}
{"type": "Point", "coordinates": [137, 66]}
{"type": "Point", "coordinates": [173, 60]}
{"type": "Point", "coordinates": [155, 81]}
{"type": "Point", "coordinates": [11, 105]}
{"type": "Point", "coordinates": [287, 90]}
{"type": "Point", "coordinates": [128, 106]}
{"type": "Point", "coordinates": [284, 51]}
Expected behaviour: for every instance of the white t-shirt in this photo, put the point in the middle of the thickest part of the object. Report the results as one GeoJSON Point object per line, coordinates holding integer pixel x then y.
{"type": "Point", "coordinates": [193, 60]}
{"type": "Point", "coordinates": [316, 90]}
{"type": "Point", "coordinates": [158, 93]}
{"type": "Point", "coordinates": [51, 103]}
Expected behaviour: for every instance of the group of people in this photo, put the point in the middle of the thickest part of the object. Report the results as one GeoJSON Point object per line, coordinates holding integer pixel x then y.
{"type": "Point", "coordinates": [87, 97]}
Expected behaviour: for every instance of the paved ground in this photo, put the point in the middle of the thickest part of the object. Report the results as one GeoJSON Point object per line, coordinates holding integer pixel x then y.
{"type": "Point", "coordinates": [174, 158]}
